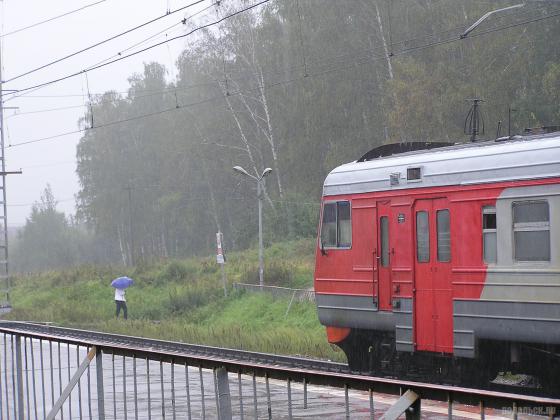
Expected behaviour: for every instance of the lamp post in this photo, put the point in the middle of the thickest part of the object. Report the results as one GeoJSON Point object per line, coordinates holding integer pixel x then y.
{"type": "Point", "coordinates": [259, 180]}
{"type": "Point", "coordinates": [486, 16]}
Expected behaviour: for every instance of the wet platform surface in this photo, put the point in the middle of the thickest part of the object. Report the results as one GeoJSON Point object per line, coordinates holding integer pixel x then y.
{"type": "Point", "coordinates": [155, 390]}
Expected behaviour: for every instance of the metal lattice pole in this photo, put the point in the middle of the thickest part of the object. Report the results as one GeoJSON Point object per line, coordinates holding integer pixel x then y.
{"type": "Point", "coordinates": [4, 279]}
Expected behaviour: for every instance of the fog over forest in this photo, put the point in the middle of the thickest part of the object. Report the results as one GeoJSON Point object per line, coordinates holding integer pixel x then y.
{"type": "Point", "coordinates": [300, 86]}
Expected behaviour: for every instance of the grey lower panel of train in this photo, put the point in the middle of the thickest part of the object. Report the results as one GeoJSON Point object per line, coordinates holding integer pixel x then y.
{"type": "Point", "coordinates": [534, 322]}
{"type": "Point", "coordinates": [353, 311]}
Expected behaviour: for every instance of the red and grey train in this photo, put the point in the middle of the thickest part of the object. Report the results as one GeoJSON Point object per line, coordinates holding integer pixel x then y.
{"type": "Point", "coordinates": [443, 260]}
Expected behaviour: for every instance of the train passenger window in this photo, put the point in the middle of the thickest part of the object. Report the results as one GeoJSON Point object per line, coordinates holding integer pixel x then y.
{"type": "Point", "coordinates": [336, 228]}
{"type": "Point", "coordinates": [489, 240]}
{"type": "Point", "coordinates": [384, 228]}
{"type": "Point", "coordinates": [422, 237]}
{"type": "Point", "coordinates": [531, 231]}
{"type": "Point", "coordinates": [443, 236]}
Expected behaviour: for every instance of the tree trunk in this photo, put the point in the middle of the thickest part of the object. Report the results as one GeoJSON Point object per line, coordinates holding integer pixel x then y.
{"type": "Point", "coordinates": [388, 59]}
{"type": "Point", "coordinates": [124, 253]}
{"type": "Point", "coordinates": [270, 136]}
{"type": "Point", "coordinates": [384, 41]}
{"type": "Point", "coordinates": [247, 145]}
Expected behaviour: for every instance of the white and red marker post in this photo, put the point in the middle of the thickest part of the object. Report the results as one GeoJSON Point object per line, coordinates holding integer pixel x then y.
{"type": "Point", "coordinates": [221, 259]}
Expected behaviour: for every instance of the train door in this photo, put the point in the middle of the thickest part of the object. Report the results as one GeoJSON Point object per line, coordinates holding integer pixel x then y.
{"type": "Point", "coordinates": [433, 296]}
{"type": "Point", "coordinates": [384, 255]}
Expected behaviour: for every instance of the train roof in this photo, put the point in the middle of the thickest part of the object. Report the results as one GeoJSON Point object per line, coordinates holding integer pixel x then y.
{"type": "Point", "coordinates": [522, 157]}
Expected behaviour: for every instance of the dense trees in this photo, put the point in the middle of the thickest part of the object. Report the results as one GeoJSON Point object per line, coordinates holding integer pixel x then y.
{"type": "Point", "coordinates": [49, 240]}
{"type": "Point", "coordinates": [300, 86]}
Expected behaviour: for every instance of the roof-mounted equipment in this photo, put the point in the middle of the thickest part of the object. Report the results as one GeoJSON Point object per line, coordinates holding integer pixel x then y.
{"type": "Point", "coordinates": [398, 148]}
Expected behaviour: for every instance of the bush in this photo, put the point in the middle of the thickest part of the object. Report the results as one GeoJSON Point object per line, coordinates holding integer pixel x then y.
{"type": "Point", "coordinates": [173, 271]}
{"type": "Point", "coordinates": [184, 300]}
{"type": "Point", "coordinates": [296, 217]}
{"type": "Point", "coordinates": [176, 270]}
{"type": "Point", "coordinates": [208, 266]}
{"type": "Point", "coordinates": [276, 273]}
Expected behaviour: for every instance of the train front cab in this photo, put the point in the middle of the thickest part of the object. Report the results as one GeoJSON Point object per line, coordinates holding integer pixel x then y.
{"type": "Point", "coordinates": [454, 272]}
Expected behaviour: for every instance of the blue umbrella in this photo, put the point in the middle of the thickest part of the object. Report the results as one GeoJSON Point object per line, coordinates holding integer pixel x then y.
{"type": "Point", "coordinates": [122, 282]}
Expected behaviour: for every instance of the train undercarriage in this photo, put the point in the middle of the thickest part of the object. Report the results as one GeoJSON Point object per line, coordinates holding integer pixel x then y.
{"type": "Point", "coordinates": [502, 366]}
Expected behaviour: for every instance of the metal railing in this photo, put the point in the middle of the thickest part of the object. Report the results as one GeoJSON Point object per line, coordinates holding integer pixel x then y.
{"type": "Point", "coordinates": [63, 373]}
{"type": "Point", "coordinates": [277, 291]}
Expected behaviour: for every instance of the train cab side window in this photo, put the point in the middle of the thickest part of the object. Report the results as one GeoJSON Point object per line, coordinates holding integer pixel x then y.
{"type": "Point", "coordinates": [336, 229]}
{"type": "Point", "coordinates": [531, 231]}
{"type": "Point", "coordinates": [328, 229]}
{"type": "Point", "coordinates": [344, 224]}
{"type": "Point", "coordinates": [489, 240]}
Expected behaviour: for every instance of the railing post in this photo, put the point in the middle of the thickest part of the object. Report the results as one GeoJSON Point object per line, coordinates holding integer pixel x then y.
{"type": "Point", "coordinates": [100, 392]}
{"type": "Point", "coordinates": [408, 403]}
{"type": "Point", "coordinates": [19, 373]}
{"type": "Point", "coordinates": [413, 412]}
{"type": "Point", "coordinates": [290, 398]}
{"type": "Point", "coordinates": [241, 413]}
{"type": "Point", "coordinates": [346, 402]}
{"type": "Point", "coordinates": [268, 403]}
{"type": "Point", "coordinates": [223, 394]}
{"type": "Point", "coordinates": [371, 406]}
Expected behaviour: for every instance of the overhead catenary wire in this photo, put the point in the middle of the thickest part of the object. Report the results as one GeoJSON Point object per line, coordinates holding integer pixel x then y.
{"type": "Point", "coordinates": [97, 44]}
{"type": "Point", "coordinates": [97, 94]}
{"type": "Point", "coordinates": [15, 31]}
{"type": "Point", "coordinates": [289, 81]}
{"type": "Point", "coordinates": [313, 60]}
{"type": "Point", "coordinates": [46, 165]}
{"type": "Point", "coordinates": [21, 92]}
{"type": "Point", "coordinates": [98, 102]}
{"type": "Point", "coordinates": [296, 67]}
{"type": "Point", "coordinates": [152, 114]}
{"type": "Point", "coordinates": [15, 95]}
{"type": "Point", "coordinates": [156, 35]}
{"type": "Point", "coordinates": [144, 49]}
{"type": "Point", "coordinates": [36, 203]}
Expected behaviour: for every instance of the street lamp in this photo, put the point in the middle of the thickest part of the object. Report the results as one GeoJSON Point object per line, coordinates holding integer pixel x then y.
{"type": "Point", "coordinates": [259, 180]}
{"type": "Point", "coordinates": [486, 16]}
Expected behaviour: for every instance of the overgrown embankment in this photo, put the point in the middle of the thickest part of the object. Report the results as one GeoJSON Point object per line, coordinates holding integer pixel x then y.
{"type": "Point", "coordinates": [183, 300]}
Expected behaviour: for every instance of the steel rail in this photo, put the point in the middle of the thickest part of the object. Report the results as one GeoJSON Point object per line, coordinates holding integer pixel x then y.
{"type": "Point", "coordinates": [271, 366]}
{"type": "Point", "coordinates": [72, 335]}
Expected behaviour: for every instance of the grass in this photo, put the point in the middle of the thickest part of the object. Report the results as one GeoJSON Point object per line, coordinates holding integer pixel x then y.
{"type": "Point", "coordinates": [182, 300]}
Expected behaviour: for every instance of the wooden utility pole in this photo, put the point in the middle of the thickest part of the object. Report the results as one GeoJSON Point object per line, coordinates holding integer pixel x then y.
{"type": "Point", "coordinates": [131, 231]}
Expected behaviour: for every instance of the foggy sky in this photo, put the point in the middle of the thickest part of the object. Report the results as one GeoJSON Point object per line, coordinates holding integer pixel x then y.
{"type": "Point", "coordinates": [53, 161]}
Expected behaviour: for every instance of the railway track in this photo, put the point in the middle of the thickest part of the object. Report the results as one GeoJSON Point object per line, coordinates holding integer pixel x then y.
{"type": "Point", "coordinates": [183, 349]}
{"type": "Point", "coordinates": [268, 366]}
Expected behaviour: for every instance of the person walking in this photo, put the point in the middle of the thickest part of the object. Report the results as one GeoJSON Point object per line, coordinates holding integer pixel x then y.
{"type": "Point", "coordinates": [120, 301]}
{"type": "Point", "coordinates": [120, 284]}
